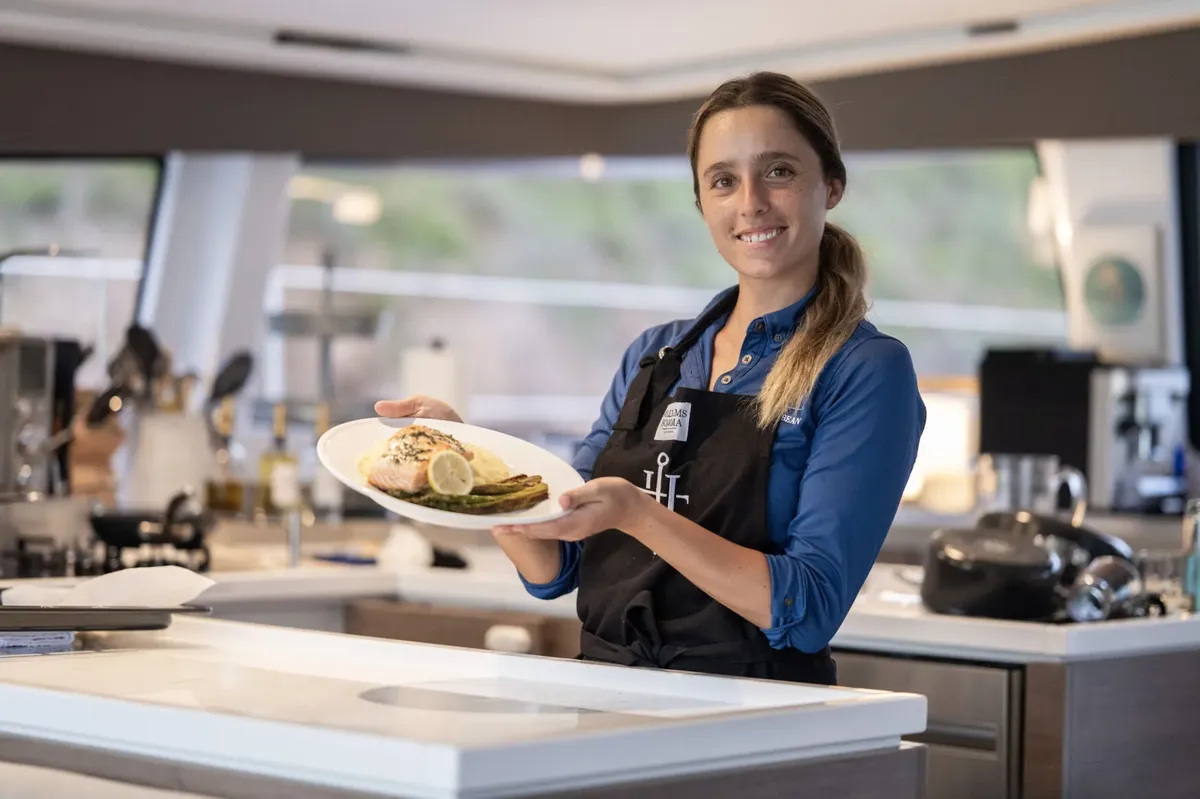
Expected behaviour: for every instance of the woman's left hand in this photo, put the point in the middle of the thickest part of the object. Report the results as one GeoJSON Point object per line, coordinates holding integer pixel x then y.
{"type": "Point", "coordinates": [606, 503]}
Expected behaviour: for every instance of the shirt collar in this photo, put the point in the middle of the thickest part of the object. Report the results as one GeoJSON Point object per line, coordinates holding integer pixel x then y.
{"type": "Point", "coordinates": [778, 326]}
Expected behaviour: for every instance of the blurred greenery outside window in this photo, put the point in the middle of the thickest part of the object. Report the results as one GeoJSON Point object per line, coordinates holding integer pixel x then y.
{"type": "Point", "coordinates": [953, 265]}
{"type": "Point", "coordinates": [98, 212]}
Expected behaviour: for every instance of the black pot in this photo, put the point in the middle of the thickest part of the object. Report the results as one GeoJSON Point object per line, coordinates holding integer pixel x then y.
{"type": "Point", "coordinates": [993, 574]}
{"type": "Point", "coordinates": [1078, 546]}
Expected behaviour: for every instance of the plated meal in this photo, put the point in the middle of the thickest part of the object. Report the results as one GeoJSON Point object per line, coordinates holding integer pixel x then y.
{"type": "Point", "coordinates": [448, 474]}
{"type": "Point", "coordinates": [427, 467]}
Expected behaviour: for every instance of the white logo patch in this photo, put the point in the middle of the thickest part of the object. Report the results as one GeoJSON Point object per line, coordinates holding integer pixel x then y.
{"type": "Point", "coordinates": [674, 423]}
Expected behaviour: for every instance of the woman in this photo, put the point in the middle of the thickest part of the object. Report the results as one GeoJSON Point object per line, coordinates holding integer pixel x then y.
{"type": "Point", "coordinates": [747, 464]}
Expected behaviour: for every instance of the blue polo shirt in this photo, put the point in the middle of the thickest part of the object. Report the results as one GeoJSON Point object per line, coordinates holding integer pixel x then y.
{"type": "Point", "coordinates": [839, 464]}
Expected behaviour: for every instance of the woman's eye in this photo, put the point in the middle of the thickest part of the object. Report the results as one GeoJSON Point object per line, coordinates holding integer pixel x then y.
{"type": "Point", "coordinates": [722, 182]}
{"type": "Point", "coordinates": [780, 172]}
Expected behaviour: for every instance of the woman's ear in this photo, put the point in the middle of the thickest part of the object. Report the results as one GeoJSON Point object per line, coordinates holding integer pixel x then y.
{"type": "Point", "coordinates": [833, 194]}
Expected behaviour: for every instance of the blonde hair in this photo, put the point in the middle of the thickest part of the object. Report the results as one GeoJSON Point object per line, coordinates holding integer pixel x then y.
{"type": "Point", "coordinates": [840, 303]}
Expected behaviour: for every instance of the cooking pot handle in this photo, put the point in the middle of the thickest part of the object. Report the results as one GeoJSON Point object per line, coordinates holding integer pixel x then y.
{"type": "Point", "coordinates": [1077, 487]}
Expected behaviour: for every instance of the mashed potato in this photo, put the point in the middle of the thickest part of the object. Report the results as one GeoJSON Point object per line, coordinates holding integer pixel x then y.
{"type": "Point", "coordinates": [487, 467]}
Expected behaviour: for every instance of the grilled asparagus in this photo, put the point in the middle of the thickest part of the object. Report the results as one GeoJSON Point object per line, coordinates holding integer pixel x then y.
{"type": "Point", "coordinates": [505, 496]}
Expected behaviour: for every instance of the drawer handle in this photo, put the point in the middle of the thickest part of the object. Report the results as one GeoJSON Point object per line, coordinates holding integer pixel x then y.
{"type": "Point", "coordinates": [981, 739]}
{"type": "Point", "coordinates": [508, 638]}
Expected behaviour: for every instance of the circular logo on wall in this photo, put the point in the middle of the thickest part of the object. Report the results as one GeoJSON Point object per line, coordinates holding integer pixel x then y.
{"type": "Point", "coordinates": [1113, 291]}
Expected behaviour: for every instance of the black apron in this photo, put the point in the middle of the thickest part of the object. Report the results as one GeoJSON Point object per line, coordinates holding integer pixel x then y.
{"type": "Point", "coordinates": [701, 454]}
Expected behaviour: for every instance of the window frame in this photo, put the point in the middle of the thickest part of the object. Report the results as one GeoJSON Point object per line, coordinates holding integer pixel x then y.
{"type": "Point", "coordinates": [159, 160]}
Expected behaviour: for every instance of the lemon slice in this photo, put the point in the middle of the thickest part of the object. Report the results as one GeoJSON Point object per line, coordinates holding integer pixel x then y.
{"type": "Point", "coordinates": [450, 473]}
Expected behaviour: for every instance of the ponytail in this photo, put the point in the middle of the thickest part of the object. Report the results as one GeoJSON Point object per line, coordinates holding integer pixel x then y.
{"type": "Point", "coordinates": [828, 322]}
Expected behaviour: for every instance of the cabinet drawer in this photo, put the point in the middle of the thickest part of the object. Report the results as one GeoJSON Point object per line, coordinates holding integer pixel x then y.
{"type": "Point", "coordinates": [974, 725]}
{"type": "Point", "coordinates": [958, 695]}
{"type": "Point", "coordinates": [465, 627]}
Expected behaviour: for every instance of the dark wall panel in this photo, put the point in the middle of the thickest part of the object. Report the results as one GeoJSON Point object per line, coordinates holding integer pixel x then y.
{"type": "Point", "coordinates": [66, 102]}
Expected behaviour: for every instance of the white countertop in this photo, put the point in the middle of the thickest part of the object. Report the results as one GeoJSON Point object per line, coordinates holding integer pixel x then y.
{"type": "Point", "coordinates": [23, 781]}
{"type": "Point", "coordinates": [887, 616]}
{"type": "Point", "coordinates": [417, 720]}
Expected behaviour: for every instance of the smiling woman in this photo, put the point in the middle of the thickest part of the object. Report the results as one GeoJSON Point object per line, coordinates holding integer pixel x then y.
{"type": "Point", "coordinates": [747, 464]}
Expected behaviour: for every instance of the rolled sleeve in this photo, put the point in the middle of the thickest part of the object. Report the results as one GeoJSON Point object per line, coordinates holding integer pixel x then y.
{"type": "Point", "coordinates": [869, 420]}
{"type": "Point", "coordinates": [567, 579]}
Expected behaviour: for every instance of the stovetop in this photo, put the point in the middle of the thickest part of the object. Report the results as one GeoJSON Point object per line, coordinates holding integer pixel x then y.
{"type": "Point", "coordinates": [42, 557]}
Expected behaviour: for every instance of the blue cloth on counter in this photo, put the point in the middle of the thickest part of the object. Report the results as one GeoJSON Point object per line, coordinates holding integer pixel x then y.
{"type": "Point", "coordinates": [839, 464]}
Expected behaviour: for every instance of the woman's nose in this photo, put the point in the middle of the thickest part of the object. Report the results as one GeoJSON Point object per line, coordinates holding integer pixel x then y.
{"type": "Point", "coordinates": [754, 199]}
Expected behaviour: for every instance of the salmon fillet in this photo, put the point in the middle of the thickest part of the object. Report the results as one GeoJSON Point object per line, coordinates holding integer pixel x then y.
{"type": "Point", "coordinates": [402, 467]}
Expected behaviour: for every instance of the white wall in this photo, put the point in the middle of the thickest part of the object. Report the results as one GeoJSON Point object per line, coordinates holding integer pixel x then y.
{"type": "Point", "coordinates": [1102, 194]}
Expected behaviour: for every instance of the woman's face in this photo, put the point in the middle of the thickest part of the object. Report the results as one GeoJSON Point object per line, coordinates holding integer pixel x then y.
{"type": "Point", "coordinates": [762, 193]}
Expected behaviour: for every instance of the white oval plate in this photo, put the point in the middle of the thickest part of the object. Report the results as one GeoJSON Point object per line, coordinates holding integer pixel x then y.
{"type": "Point", "coordinates": [341, 447]}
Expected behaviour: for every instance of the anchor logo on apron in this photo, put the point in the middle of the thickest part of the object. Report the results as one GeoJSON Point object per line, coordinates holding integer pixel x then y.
{"type": "Point", "coordinates": [656, 479]}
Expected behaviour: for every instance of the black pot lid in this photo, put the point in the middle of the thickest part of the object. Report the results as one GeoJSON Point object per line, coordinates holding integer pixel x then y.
{"type": "Point", "coordinates": [970, 548]}
{"type": "Point", "coordinates": [1030, 525]}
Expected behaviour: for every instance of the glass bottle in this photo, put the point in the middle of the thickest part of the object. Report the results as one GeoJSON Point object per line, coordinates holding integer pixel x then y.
{"type": "Point", "coordinates": [327, 497]}
{"type": "Point", "coordinates": [226, 491]}
{"type": "Point", "coordinates": [1191, 556]}
{"type": "Point", "coordinates": [278, 470]}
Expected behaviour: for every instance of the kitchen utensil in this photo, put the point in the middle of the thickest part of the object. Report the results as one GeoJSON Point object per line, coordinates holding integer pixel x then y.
{"type": "Point", "coordinates": [232, 377]}
{"type": "Point", "coordinates": [1111, 588]}
{"type": "Point", "coordinates": [1013, 482]}
{"type": "Point", "coordinates": [104, 405]}
{"type": "Point", "coordinates": [991, 573]}
{"type": "Point", "coordinates": [145, 349]}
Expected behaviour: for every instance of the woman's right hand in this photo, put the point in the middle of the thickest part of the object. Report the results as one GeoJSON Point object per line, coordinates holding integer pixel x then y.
{"type": "Point", "coordinates": [417, 407]}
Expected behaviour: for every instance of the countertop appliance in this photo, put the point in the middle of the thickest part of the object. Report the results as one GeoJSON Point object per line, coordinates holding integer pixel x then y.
{"type": "Point", "coordinates": [27, 406]}
{"type": "Point", "coordinates": [1123, 426]}
{"type": "Point", "coordinates": [120, 539]}
{"type": "Point", "coordinates": [1025, 566]}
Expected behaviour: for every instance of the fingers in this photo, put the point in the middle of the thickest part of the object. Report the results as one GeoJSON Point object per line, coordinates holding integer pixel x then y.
{"type": "Point", "coordinates": [396, 409]}
{"type": "Point", "coordinates": [544, 530]}
{"type": "Point", "coordinates": [572, 527]}
{"type": "Point", "coordinates": [591, 491]}
{"type": "Point", "coordinates": [417, 407]}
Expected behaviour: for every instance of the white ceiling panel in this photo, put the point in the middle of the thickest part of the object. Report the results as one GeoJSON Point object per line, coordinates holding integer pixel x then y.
{"type": "Point", "coordinates": [613, 50]}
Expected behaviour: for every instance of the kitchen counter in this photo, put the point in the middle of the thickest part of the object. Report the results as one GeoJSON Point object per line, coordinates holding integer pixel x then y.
{"type": "Point", "coordinates": [1015, 709]}
{"type": "Point", "coordinates": [888, 617]}
{"type": "Point", "coordinates": [235, 708]}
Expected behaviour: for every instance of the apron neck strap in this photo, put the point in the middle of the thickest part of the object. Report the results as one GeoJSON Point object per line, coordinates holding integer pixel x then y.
{"type": "Point", "coordinates": [659, 372]}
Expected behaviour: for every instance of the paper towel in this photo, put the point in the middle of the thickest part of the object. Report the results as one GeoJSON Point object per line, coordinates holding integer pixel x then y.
{"type": "Point", "coordinates": [152, 586]}
{"type": "Point", "coordinates": [432, 371]}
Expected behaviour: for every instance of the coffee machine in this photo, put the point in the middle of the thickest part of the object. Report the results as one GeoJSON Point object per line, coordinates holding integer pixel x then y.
{"type": "Point", "coordinates": [27, 383]}
{"type": "Point", "coordinates": [1123, 426]}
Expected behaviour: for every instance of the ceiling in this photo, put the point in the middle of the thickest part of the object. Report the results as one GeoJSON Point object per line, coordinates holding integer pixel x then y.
{"type": "Point", "coordinates": [608, 51]}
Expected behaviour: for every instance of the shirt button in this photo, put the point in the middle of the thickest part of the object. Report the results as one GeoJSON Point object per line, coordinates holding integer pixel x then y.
{"type": "Point", "coordinates": [747, 358]}
{"type": "Point", "coordinates": [778, 337]}
{"type": "Point", "coordinates": [759, 327]}
{"type": "Point", "coordinates": [787, 601]}
{"type": "Point", "coordinates": [726, 379]}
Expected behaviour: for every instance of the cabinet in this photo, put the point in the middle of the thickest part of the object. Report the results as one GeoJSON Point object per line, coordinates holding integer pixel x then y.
{"type": "Point", "coordinates": [974, 729]}
{"type": "Point", "coordinates": [475, 628]}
